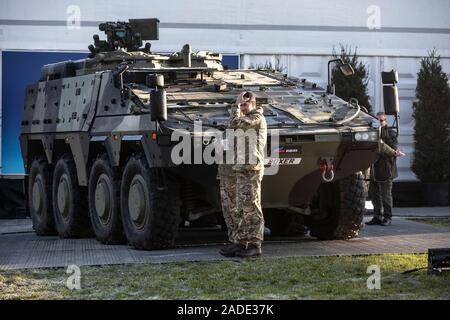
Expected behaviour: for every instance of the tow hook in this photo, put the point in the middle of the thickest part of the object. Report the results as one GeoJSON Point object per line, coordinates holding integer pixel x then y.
{"type": "Point", "coordinates": [327, 169]}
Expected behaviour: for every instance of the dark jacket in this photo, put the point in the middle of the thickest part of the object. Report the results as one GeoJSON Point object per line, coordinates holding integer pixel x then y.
{"type": "Point", "coordinates": [386, 166]}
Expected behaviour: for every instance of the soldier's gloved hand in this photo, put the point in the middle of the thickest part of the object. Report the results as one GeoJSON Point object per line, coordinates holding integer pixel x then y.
{"type": "Point", "coordinates": [399, 153]}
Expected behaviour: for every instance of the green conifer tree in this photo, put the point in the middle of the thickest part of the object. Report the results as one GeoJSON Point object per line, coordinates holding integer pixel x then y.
{"type": "Point", "coordinates": [353, 86]}
{"type": "Point", "coordinates": [431, 112]}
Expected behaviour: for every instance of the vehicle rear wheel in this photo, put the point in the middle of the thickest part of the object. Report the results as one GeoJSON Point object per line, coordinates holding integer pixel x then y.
{"type": "Point", "coordinates": [40, 197]}
{"type": "Point", "coordinates": [339, 208]}
{"type": "Point", "coordinates": [69, 201]}
{"type": "Point", "coordinates": [104, 202]}
{"type": "Point", "coordinates": [150, 215]}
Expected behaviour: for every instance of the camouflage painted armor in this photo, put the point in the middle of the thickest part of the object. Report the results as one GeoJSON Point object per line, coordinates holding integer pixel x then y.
{"type": "Point", "coordinates": [240, 184]}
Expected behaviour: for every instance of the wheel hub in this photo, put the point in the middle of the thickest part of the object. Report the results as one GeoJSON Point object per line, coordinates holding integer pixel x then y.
{"type": "Point", "coordinates": [38, 195]}
{"type": "Point", "coordinates": [137, 202]}
{"type": "Point", "coordinates": [63, 196]}
{"type": "Point", "coordinates": [103, 199]}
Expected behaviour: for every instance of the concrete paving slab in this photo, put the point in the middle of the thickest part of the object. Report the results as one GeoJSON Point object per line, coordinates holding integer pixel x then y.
{"type": "Point", "coordinates": [26, 250]}
{"type": "Point", "coordinates": [16, 226]}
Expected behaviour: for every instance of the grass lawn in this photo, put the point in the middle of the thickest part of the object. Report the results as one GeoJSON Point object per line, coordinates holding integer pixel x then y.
{"type": "Point", "coordinates": [264, 278]}
{"type": "Point", "coordinates": [439, 222]}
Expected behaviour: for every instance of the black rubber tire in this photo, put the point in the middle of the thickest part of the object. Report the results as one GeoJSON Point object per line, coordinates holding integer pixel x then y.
{"type": "Point", "coordinates": [161, 217]}
{"type": "Point", "coordinates": [339, 209]}
{"type": "Point", "coordinates": [42, 217]}
{"type": "Point", "coordinates": [108, 230]}
{"type": "Point", "coordinates": [75, 223]}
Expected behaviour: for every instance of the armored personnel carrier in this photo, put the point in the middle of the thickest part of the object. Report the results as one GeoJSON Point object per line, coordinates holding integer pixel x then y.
{"type": "Point", "coordinates": [99, 135]}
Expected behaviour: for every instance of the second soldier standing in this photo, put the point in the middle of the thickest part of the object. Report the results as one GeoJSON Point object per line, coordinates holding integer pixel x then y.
{"type": "Point", "coordinates": [241, 181]}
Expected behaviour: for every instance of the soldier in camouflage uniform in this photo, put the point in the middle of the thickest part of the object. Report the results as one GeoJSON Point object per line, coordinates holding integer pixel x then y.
{"type": "Point", "coordinates": [241, 182]}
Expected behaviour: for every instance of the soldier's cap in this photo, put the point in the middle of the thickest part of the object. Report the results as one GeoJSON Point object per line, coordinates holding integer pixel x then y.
{"type": "Point", "coordinates": [249, 96]}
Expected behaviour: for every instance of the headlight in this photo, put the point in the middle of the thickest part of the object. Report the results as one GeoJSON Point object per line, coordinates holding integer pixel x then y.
{"type": "Point", "coordinates": [374, 135]}
{"type": "Point", "coordinates": [366, 136]}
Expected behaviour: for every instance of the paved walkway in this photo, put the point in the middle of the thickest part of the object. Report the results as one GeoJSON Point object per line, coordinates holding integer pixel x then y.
{"type": "Point", "coordinates": [428, 212]}
{"type": "Point", "coordinates": [26, 250]}
{"type": "Point", "coordinates": [422, 212]}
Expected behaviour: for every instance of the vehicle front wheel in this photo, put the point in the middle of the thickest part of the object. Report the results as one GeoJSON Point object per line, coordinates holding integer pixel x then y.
{"type": "Point", "coordinates": [338, 209]}
{"type": "Point", "coordinates": [150, 213]}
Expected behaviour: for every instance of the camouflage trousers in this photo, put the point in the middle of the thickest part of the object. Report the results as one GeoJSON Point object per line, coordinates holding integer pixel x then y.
{"type": "Point", "coordinates": [241, 204]}
{"type": "Point", "coordinates": [228, 195]}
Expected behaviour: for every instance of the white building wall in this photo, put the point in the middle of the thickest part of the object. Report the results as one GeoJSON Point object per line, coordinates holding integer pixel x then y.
{"type": "Point", "coordinates": [301, 33]}
{"type": "Point", "coordinates": [408, 28]}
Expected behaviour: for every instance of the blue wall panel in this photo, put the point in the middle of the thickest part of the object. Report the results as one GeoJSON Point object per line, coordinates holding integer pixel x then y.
{"type": "Point", "coordinates": [231, 62]}
{"type": "Point", "coordinates": [20, 69]}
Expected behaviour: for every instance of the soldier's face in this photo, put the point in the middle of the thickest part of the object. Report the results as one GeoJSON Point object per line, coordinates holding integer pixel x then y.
{"type": "Point", "coordinates": [383, 121]}
{"type": "Point", "coordinates": [248, 107]}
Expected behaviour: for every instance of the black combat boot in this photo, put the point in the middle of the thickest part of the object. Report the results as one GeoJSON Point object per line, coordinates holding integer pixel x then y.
{"type": "Point", "coordinates": [386, 222]}
{"type": "Point", "coordinates": [374, 222]}
{"type": "Point", "coordinates": [231, 249]}
{"type": "Point", "coordinates": [251, 251]}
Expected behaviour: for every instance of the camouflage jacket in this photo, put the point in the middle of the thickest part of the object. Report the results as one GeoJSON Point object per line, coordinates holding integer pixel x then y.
{"type": "Point", "coordinates": [250, 133]}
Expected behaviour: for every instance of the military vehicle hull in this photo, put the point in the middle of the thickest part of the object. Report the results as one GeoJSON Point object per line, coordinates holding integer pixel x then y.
{"type": "Point", "coordinates": [99, 148]}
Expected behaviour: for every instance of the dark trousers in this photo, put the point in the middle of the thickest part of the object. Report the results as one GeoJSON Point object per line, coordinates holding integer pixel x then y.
{"type": "Point", "coordinates": [381, 194]}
